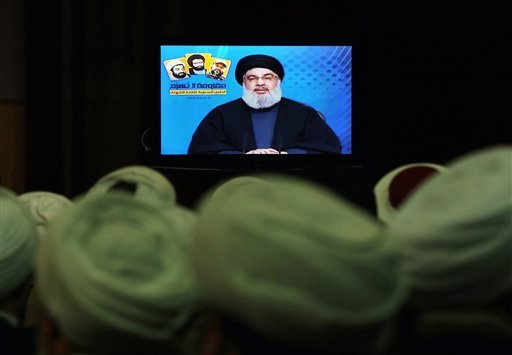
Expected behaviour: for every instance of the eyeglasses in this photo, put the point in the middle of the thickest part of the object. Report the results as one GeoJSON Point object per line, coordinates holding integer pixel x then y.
{"type": "Point", "coordinates": [255, 78]}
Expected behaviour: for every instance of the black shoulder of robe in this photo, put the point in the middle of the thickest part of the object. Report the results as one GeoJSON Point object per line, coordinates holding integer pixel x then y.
{"type": "Point", "coordinates": [228, 127]}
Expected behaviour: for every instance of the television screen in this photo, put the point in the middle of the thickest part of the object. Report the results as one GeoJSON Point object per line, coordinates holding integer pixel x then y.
{"type": "Point", "coordinates": [196, 77]}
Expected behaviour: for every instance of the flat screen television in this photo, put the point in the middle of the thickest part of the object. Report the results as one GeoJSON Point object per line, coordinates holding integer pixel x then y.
{"type": "Point", "coordinates": [317, 73]}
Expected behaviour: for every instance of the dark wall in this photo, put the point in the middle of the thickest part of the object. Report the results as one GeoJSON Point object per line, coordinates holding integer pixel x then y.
{"type": "Point", "coordinates": [438, 80]}
{"type": "Point", "coordinates": [430, 83]}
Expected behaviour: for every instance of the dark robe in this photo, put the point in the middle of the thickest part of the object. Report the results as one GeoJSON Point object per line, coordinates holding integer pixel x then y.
{"type": "Point", "coordinates": [228, 127]}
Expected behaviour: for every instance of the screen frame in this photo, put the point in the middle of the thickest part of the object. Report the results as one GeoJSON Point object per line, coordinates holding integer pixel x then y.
{"type": "Point", "coordinates": [237, 162]}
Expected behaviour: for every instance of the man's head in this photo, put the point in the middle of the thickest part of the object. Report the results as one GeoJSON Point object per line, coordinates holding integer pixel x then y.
{"type": "Point", "coordinates": [196, 61]}
{"type": "Point", "coordinates": [178, 71]}
{"type": "Point", "coordinates": [260, 75]}
{"type": "Point", "coordinates": [453, 234]}
{"type": "Point", "coordinates": [18, 243]}
{"type": "Point", "coordinates": [113, 275]}
{"type": "Point", "coordinates": [217, 69]}
{"type": "Point", "coordinates": [322, 277]}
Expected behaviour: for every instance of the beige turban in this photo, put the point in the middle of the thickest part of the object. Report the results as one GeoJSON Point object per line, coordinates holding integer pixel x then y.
{"type": "Point", "coordinates": [18, 242]}
{"type": "Point", "coordinates": [454, 235]}
{"type": "Point", "coordinates": [150, 185]}
{"type": "Point", "coordinates": [397, 185]}
{"type": "Point", "coordinates": [44, 206]}
{"type": "Point", "coordinates": [295, 262]}
{"type": "Point", "coordinates": [112, 271]}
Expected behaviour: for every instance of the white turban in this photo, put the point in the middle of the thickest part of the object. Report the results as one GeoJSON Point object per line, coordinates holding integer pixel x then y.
{"type": "Point", "coordinates": [44, 206]}
{"type": "Point", "coordinates": [396, 186]}
{"type": "Point", "coordinates": [183, 219]}
{"type": "Point", "coordinates": [454, 235]}
{"type": "Point", "coordinates": [294, 262]}
{"type": "Point", "coordinates": [173, 62]}
{"type": "Point", "coordinates": [150, 184]}
{"type": "Point", "coordinates": [18, 241]}
{"type": "Point", "coordinates": [233, 183]}
{"type": "Point", "coordinates": [112, 271]}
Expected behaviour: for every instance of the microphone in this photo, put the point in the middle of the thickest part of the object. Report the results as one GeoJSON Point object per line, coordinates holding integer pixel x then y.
{"type": "Point", "coordinates": [142, 140]}
{"type": "Point", "coordinates": [279, 142]}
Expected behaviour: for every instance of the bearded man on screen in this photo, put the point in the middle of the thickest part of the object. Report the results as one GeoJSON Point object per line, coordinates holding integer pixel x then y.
{"type": "Point", "coordinates": [262, 121]}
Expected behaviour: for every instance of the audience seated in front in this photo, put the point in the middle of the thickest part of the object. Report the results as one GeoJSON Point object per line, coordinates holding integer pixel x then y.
{"type": "Point", "coordinates": [113, 278]}
{"type": "Point", "coordinates": [394, 187]}
{"type": "Point", "coordinates": [289, 268]}
{"type": "Point", "coordinates": [454, 241]}
{"type": "Point", "coordinates": [18, 243]}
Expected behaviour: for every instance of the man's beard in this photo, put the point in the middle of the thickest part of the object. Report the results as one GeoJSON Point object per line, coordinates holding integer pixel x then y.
{"type": "Point", "coordinates": [257, 102]}
{"type": "Point", "coordinates": [216, 73]}
{"type": "Point", "coordinates": [180, 75]}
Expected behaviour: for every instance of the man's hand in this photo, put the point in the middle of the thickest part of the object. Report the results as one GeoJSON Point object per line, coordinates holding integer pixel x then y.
{"type": "Point", "coordinates": [263, 151]}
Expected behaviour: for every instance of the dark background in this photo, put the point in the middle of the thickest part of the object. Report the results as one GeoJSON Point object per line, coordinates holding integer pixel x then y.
{"type": "Point", "coordinates": [431, 78]}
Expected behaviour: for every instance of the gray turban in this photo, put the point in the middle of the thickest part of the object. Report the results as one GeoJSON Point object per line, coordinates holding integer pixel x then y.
{"type": "Point", "coordinates": [44, 206]}
{"type": "Point", "coordinates": [454, 235]}
{"type": "Point", "coordinates": [150, 185]}
{"type": "Point", "coordinates": [396, 185]}
{"type": "Point", "coordinates": [295, 262]}
{"type": "Point", "coordinates": [18, 242]}
{"type": "Point", "coordinates": [112, 271]}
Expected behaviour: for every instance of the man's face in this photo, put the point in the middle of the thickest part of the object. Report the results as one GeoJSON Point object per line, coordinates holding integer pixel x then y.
{"type": "Point", "coordinates": [217, 69]}
{"type": "Point", "coordinates": [261, 88]}
{"type": "Point", "coordinates": [178, 71]}
{"type": "Point", "coordinates": [198, 64]}
{"type": "Point", "coordinates": [260, 80]}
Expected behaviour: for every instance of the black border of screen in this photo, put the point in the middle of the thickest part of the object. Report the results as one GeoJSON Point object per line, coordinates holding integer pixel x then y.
{"type": "Point", "coordinates": [151, 136]}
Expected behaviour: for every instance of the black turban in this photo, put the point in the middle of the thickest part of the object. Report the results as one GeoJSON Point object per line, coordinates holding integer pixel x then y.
{"type": "Point", "coordinates": [258, 61]}
{"type": "Point", "coordinates": [194, 56]}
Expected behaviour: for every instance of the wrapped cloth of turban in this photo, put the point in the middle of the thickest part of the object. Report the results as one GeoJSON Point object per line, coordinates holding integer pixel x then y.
{"type": "Point", "coordinates": [173, 62]}
{"type": "Point", "coordinates": [233, 183]}
{"type": "Point", "coordinates": [112, 272]}
{"type": "Point", "coordinates": [18, 242]}
{"type": "Point", "coordinates": [44, 206]}
{"type": "Point", "coordinates": [258, 61]}
{"type": "Point", "coordinates": [296, 263]}
{"type": "Point", "coordinates": [395, 186]}
{"type": "Point", "coordinates": [150, 185]}
{"type": "Point", "coordinates": [454, 235]}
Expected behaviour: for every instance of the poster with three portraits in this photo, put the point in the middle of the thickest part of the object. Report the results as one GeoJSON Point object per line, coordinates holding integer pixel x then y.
{"type": "Point", "coordinates": [197, 64]}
